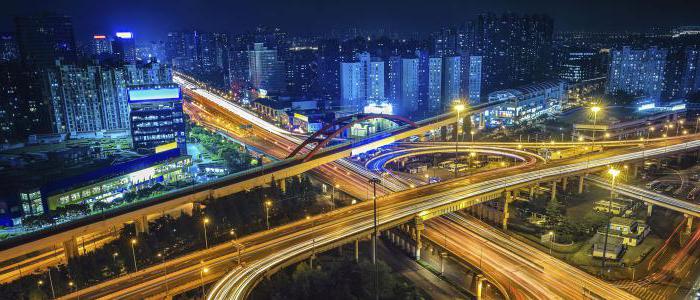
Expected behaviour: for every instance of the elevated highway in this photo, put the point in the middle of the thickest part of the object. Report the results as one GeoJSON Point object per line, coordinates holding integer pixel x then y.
{"type": "Point", "coordinates": [428, 203]}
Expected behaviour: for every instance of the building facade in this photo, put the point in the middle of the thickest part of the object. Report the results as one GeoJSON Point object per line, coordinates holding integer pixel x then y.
{"type": "Point", "coordinates": [638, 72]}
{"type": "Point", "coordinates": [156, 117]}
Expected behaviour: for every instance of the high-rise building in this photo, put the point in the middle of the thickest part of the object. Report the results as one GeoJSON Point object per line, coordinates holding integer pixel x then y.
{"type": "Point", "coordinates": [101, 45]}
{"type": "Point", "coordinates": [124, 47]}
{"type": "Point", "coordinates": [87, 99]}
{"type": "Point", "coordinates": [328, 70]}
{"type": "Point", "coordinates": [301, 71]}
{"type": "Point", "coordinates": [42, 39]}
{"type": "Point", "coordinates": [8, 47]}
{"type": "Point", "coordinates": [580, 64]}
{"type": "Point", "coordinates": [515, 49]}
{"type": "Point", "coordinates": [690, 80]}
{"type": "Point", "coordinates": [361, 82]}
{"type": "Point", "coordinates": [156, 117]}
{"type": "Point", "coordinates": [265, 70]}
{"type": "Point", "coordinates": [451, 80]}
{"type": "Point", "coordinates": [474, 79]}
{"type": "Point", "coordinates": [638, 72]}
{"type": "Point", "coordinates": [352, 86]}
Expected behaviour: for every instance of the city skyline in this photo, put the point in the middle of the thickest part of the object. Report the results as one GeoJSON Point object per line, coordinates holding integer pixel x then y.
{"type": "Point", "coordinates": [153, 19]}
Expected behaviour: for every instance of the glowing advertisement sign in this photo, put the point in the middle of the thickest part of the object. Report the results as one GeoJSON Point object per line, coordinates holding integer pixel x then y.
{"type": "Point", "coordinates": [125, 35]}
{"type": "Point", "coordinates": [154, 94]}
{"type": "Point", "coordinates": [100, 37]}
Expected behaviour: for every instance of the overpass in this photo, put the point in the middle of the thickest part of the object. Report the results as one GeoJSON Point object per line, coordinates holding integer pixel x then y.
{"type": "Point", "coordinates": [182, 198]}
{"type": "Point", "coordinates": [649, 197]}
{"type": "Point", "coordinates": [238, 283]}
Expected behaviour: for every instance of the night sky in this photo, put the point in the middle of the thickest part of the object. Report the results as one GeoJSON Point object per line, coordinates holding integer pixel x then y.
{"type": "Point", "coordinates": [151, 19]}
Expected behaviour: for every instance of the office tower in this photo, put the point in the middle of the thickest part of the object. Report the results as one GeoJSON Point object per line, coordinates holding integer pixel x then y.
{"type": "Point", "coordinates": [515, 49]}
{"type": "Point", "coordinates": [301, 71]}
{"type": "Point", "coordinates": [637, 72]}
{"type": "Point", "coordinates": [8, 47]}
{"type": "Point", "coordinates": [451, 80]}
{"type": "Point", "coordinates": [175, 45]}
{"type": "Point", "coordinates": [474, 79]}
{"type": "Point", "coordinates": [101, 45]}
{"type": "Point", "coordinates": [42, 39]}
{"type": "Point", "coordinates": [580, 64]}
{"type": "Point", "coordinates": [265, 70]}
{"type": "Point", "coordinates": [156, 117]}
{"type": "Point", "coordinates": [124, 47]}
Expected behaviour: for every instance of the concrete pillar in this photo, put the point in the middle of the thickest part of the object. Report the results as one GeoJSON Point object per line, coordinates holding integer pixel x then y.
{"type": "Point", "coordinates": [554, 190]}
{"type": "Point", "coordinates": [580, 184]}
{"type": "Point", "coordinates": [482, 121]}
{"type": "Point", "coordinates": [357, 250]}
{"type": "Point", "coordinates": [443, 133]}
{"type": "Point", "coordinates": [455, 131]}
{"type": "Point", "coordinates": [507, 199]}
{"type": "Point", "coordinates": [564, 183]}
{"type": "Point", "coordinates": [635, 170]}
{"type": "Point", "coordinates": [649, 209]}
{"type": "Point", "coordinates": [70, 248]}
{"type": "Point", "coordinates": [419, 228]}
{"type": "Point", "coordinates": [479, 285]}
{"type": "Point", "coordinates": [141, 224]}
{"type": "Point", "coordinates": [282, 183]}
{"type": "Point", "coordinates": [532, 191]}
{"type": "Point", "coordinates": [689, 224]}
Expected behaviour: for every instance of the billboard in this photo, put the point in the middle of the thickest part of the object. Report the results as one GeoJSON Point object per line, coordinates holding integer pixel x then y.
{"type": "Point", "coordinates": [154, 94]}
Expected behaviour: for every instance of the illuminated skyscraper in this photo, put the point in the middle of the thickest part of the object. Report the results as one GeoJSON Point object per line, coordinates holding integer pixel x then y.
{"type": "Point", "coordinates": [638, 72]}
{"type": "Point", "coordinates": [156, 117]}
{"type": "Point", "coordinates": [265, 70]}
{"type": "Point", "coordinates": [124, 47]}
{"type": "Point", "coordinates": [101, 45]}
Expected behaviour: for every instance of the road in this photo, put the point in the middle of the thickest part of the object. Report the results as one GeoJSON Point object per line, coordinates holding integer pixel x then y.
{"type": "Point", "coordinates": [236, 284]}
{"type": "Point", "coordinates": [649, 196]}
{"type": "Point", "coordinates": [525, 271]}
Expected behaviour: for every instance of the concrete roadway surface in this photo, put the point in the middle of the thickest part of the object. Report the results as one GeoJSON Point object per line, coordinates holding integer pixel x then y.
{"type": "Point", "coordinates": [526, 272]}
{"type": "Point", "coordinates": [296, 238]}
{"type": "Point", "coordinates": [235, 285]}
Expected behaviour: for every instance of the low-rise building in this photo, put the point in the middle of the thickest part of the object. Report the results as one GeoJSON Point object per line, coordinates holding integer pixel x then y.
{"type": "Point", "coordinates": [631, 231]}
{"type": "Point", "coordinates": [526, 102]}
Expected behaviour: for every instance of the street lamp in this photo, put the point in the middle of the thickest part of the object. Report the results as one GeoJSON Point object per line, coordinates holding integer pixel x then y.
{"type": "Point", "coordinates": [205, 221]}
{"type": "Point", "coordinates": [459, 107]}
{"type": "Point", "coordinates": [204, 270]}
{"type": "Point", "coordinates": [233, 234]}
{"type": "Point", "coordinates": [374, 181]}
{"type": "Point", "coordinates": [165, 271]}
{"type": "Point", "coordinates": [551, 240]}
{"type": "Point", "coordinates": [595, 109]}
{"type": "Point", "coordinates": [268, 204]}
{"type": "Point", "coordinates": [133, 254]}
{"type": "Point", "coordinates": [613, 174]}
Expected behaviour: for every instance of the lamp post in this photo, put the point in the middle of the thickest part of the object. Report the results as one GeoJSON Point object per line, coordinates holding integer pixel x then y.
{"type": "Point", "coordinates": [133, 254]}
{"type": "Point", "coordinates": [374, 182]}
{"type": "Point", "coordinates": [551, 241]}
{"type": "Point", "coordinates": [458, 108]}
{"type": "Point", "coordinates": [205, 221]}
{"type": "Point", "coordinates": [165, 271]}
{"type": "Point", "coordinates": [595, 109]}
{"type": "Point", "coordinates": [204, 270]}
{"type": "Point", "coordinates": [233, 234]}
{"type": "Point", "coordinates": [268, 204]}
{"type": "Point", "coordinates": [613, 174]}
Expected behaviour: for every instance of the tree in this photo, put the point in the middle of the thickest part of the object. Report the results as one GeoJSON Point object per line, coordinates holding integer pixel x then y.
{"type": "Point", "coordinates": [554, 213]}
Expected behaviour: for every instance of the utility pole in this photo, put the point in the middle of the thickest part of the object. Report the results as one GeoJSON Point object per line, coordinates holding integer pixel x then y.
{"type": "Point", "coordinates": [374, 182]}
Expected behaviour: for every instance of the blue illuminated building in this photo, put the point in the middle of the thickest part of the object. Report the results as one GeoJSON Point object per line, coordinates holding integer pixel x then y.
{"type": "Point", "coordinates": [156, 117]}
{"type": "Point", "coordinates": [124, 47]}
